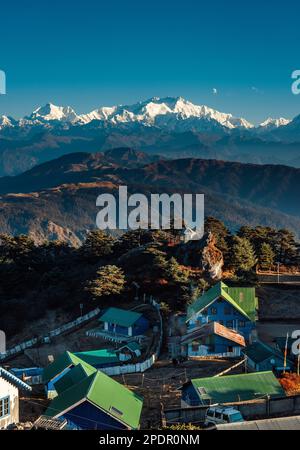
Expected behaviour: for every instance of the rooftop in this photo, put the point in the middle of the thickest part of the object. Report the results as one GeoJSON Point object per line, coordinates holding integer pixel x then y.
{"type": "Point", "coordinates": [65, 360]}
{"type": "Point", "coordinates": [98, 357]}
{"type": "Point", "coordinates": [105, 393]}
{"type": "Point", "coordinates": [235, 388]}
{"type": "Point", "coordinates": [11, 378]}
{"type": "Point", "coordinates": [121, 317]}
{"type": "Point", "coordinates": [243, 299]}
{"type": "Point", "coordinates": [259, 352]}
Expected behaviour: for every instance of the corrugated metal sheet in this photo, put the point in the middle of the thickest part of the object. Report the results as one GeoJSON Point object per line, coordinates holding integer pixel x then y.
{"type": "Point", "coordinates": [282, 423]}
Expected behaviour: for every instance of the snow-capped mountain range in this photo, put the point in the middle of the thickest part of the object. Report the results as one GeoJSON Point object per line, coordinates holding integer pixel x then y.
{"type": "Point", "coordinates": [173, 114]}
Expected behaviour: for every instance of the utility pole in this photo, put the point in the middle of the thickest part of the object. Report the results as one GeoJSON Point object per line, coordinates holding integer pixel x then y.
{"type": "Point", "coordinates": [285, 351]}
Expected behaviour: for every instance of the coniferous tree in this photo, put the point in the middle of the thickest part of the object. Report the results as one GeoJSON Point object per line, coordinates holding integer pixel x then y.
{"type": "Point", "coordinates": [266, 256]}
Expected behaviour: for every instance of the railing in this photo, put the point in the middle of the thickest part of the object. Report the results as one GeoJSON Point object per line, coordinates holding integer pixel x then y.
{"type": "Point", "coordinates": [45, 339]}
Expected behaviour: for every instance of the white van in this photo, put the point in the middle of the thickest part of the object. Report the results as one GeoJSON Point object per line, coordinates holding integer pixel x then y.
{"type": "Point", "coordinates": [222, 414]}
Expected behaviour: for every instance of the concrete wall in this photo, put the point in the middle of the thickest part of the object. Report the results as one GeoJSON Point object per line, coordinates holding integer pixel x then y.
{"type": "Point", "coordinates": [8, 389]}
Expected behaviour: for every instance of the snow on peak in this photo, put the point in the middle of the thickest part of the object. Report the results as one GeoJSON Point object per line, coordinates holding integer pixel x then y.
{"type": "Point", "coordinates": [275, 123]}
{"type": "Point", "coordinates": [52, 112]}
{"type": "Point", "coordinates": [6, 121]}
{"type": "Point", "coordinates": [168, 111]}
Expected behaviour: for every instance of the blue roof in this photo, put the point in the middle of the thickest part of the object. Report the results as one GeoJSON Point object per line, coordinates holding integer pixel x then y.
{"type": "Point", "coordinates": [11, 378]}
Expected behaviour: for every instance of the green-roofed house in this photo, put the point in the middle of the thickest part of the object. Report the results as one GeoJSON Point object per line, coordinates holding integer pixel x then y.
{"type": "Point", "coordinates": [64, 371]}
{"type": "Point", "coordinates": [124, 322]}
{"type": "Point", "coordinates": [230, 389]}
{"type": "Point", "coordinates": [97, 402]}
{"type": "Point", "coordinates": [232, 307]}
{"type": "Point", "coordinates": [128, 351]}
{"type": "Point", "coordinates": [261, 356]}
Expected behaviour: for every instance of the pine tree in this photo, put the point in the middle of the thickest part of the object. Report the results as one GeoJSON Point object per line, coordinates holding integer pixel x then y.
{"type": "Point", "coordinates": [98, 244]}
{"type": "Point", "coordinates": [243, 257]}
{"type": "Point", "coordinates": [110, 280]}
{"type": "Point", "coordinates": [266, 256]}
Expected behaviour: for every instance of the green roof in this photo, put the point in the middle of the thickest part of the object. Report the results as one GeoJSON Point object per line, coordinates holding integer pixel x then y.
{"type": "Point", "coordinates": [242, 299]}
{"type": "Point", "coordinates": [121, 317]}
{"type": "Point", "coordinates": [73, 376]}
{"type": "Point", "coordinates": [104, 392]}
{"type": "Point", "coordinates": [98, 357]}
{"type": "Point", "coordinates": [133, 346]}
{"type": "Point", "coordinates": [259, 352]}
{"type": "Point", "coordinates": [61, 363]}
{"type": "Point", "coordinates": [234, 388]}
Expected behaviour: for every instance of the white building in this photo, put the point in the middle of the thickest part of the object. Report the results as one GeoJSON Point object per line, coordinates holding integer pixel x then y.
{"type": "Point", "coordinates": [9, 398]}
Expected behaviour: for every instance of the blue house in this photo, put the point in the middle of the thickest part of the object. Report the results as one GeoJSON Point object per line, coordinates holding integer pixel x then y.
{"type": "Point", "coordinates": [234, 308]}
{"type": "Point", "coordinates": [123, 322]}
{"type": "Point", "coordinates": [230, 389]}
{"type": "Point", "coordinates": [213, 339]}
{"type": "Point", "coordinates": [95, 402]}
{"type": "Point", "coordinates": [261, 356]}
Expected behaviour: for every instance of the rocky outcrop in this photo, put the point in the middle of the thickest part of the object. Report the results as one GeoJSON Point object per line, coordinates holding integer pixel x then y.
{"type": "Point", "coordinates": [205, 255]}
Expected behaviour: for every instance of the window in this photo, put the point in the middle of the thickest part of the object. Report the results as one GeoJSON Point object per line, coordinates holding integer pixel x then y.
{"type": "Point", "coordinates": [229, 324]}
{"type": "Point", "coordinates": [227, 310]}
{"type": "Point", "coordinates": [116, 411]}
{"type": "Point", "coordinates": [195, 346]}
{"type": "Point", "coordinates": [4, 407]}
{"type": "Point", "coordinates": [229, 349]}
{"type": "Point", "coordinates": [213, 311]}
{"type": "Point", "coordinates": [202, 391]}
{"type": "Point", "coordinates": [221, 322]}
{"type": "Point", "coordinates": [242, 324]}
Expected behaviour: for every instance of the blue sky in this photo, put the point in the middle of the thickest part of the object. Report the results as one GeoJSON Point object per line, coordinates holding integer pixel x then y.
{"type": "Point", "coordinates": [95, 52]}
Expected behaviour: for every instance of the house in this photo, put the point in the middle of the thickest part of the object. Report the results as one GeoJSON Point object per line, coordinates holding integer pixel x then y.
{"type": "Point", "coordinates": [230, 389]}
{"type": "Point", "coordinates": [96, 402]}
{"type": "Point", "coordinates": [233, 307]}
{"type": "Point", "coordinates": [212, 339]}
{"type": "Point", "coordinates": [67, 364]}
{"type": "Point", "coordinates": [261, 356]}
{"type": "Point", "coordinates": [9, 397]}
{"type": "Point", "coordinates": [129, 351]}
{"type": "Point", "coordinates": [123, 322]}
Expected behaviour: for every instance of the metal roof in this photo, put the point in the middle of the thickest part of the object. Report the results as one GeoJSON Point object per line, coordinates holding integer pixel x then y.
{"type": "Point", "coordinates": [259, 352]}
{"type": "Point", "coordinates": [235, 388]}
{"type": "Point", "coordinates": [102, 391]}
{"type": "Point", "coordinates": [65, 360]}
{"type": "Point", "coordinates": [242, 299]}
{"type": "Point", "coordinates": [121, 317]}
{"type": "Point", "coordinates": [280, 423]}
{"type": "Point", "coordinates": [98, 357]}
{"type": "Point", "coordinates": [211, 328]}
{"type": "Point", "coordinates": [11, 378]}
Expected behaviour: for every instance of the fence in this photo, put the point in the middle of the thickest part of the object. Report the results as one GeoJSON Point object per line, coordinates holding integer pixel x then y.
{"type": "Point", "coordinates": [45, 339]}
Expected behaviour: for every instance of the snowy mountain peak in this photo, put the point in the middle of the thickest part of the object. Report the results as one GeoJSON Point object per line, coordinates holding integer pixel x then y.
{"type": "Point", "coordinates": [274, 123]}
{"type": "Point", "coordinates": [6, 121]}
{"type": "Point", "coordinates": [52, 112]}
{"type": "Point", "coordinates": [171, 112]}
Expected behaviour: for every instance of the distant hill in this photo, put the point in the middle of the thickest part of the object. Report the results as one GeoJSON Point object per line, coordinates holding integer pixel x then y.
{"type": "Point", "coordinates": [57, 199]}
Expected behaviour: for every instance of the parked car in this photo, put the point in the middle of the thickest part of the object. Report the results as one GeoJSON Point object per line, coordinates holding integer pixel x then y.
{"type": "Point", "coordinates": [221, 414]}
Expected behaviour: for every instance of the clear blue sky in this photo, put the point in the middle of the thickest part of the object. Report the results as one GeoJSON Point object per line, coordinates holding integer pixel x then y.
{"type": "Point", "coordinates": [94, 52]}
